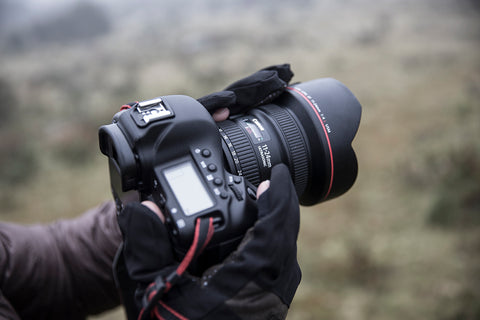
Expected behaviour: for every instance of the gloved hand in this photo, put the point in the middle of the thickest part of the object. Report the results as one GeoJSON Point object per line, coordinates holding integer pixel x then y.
{"type": "Point", "coordinates": [259, 88]}
{"type": "Point", "coordinates": [257, 281]}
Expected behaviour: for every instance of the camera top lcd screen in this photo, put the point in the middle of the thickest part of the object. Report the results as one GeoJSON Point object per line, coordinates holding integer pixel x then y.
{"type": "Point", "coordinates": [188, 188]}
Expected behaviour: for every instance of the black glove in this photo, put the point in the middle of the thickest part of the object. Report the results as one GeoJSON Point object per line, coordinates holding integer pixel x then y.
{"type": "Point", "coordinates": [257, 281]}
{"type": "Point", "coordinates": [146, 250]}
{"type": "Point", "coordinates": [259, 88]}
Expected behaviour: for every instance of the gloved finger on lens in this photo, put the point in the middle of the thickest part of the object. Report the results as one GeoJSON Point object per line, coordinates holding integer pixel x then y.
{"type": "Point", "coordinates": [216, 100]}
{"type": "Point", "coordinates": [146, 246]}
{"type": "Point", "coordinates": [283, 70]}
{"type": "Point", "coordinates": [259, 88]}
{"type": "Point", "coordinates": [278, 213]}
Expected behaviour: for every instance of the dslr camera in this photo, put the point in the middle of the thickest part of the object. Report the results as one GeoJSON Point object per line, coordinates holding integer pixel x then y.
{"type": "Point", "coordinates": [171, 151]}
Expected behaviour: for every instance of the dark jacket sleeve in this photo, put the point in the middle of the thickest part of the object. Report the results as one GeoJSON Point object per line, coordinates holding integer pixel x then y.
{"type": "Point", "coordinates": [61, 270]}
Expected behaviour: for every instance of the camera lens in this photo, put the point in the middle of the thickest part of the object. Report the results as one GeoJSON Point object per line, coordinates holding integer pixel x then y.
{"type": "Point", "coordinates": [310, 128]}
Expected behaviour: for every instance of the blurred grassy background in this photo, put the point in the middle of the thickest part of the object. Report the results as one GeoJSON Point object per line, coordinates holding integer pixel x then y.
{"type": "Point", "coordinates": [403, 243]}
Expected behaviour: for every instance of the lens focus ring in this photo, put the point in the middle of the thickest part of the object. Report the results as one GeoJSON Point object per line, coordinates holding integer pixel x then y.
{"type": "Point", "coordinates": [242, 151]}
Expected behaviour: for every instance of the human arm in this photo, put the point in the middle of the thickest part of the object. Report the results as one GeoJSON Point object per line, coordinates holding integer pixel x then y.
{"type": "Point", "coordinates": [61, 270]}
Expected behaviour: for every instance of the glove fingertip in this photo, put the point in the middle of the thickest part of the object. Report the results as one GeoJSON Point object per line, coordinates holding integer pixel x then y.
{"type": "Point", "coordinates": [135, 215]}
{"type": "Point", "coordinates": [280, 173]}
{"type": "Point", "coordinates": [217, 100]}
{"type": "Point", "coordinates": [280, 194]}
{"type": "Point", "coordinates": [283, 70]}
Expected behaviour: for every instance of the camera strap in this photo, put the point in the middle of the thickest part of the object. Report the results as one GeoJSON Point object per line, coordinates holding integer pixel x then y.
{"type": "Point", "coordinates": [151, 301]}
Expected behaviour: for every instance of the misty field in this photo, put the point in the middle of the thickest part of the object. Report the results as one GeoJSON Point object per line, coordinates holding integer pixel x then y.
{"type": "Point", "coordinates": [403, 243]}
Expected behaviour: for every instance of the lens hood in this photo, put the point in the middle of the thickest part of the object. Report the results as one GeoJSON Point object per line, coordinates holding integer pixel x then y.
{"type": "Point", "coordinates": [330, 117]}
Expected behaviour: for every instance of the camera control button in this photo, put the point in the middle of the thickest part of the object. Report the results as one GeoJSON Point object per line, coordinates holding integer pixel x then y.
{"type": "Point", "coordinates": [181, 223]}
{"type": "Point", "coordinates": [211, 167]}
{"type": "Point", "coordinates": [223, 195]}
{"type": "Point", "coordinates": [218, 181]}
{"type": "Point", "coordinates": [237, 179]}
{"type": "Point", "coordinates": [206, 153]}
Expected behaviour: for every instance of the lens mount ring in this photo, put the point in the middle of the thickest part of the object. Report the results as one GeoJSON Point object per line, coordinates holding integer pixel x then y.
{"type": "Point", "coordinates": [241, 150]}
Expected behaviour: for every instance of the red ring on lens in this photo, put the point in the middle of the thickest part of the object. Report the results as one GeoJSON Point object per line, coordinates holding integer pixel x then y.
{"type": "Point", "coordinates": [304, 96]}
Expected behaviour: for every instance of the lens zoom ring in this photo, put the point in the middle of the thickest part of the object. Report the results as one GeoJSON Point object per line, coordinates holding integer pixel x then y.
{"type": "Point", "coordinates": [244, 152]}
{"type": "Point", "coordinates": [296, 145]}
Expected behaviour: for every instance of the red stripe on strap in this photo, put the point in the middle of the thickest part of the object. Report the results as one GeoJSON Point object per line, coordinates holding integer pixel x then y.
{"type": "Point", "coordinates": [175, 313]}
{"type": "Point", "coordinates": [191, 252]}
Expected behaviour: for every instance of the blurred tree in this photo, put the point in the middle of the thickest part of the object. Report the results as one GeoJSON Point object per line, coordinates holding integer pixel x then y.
{"type": "Point", "coordinates": [7, 100]}
{"type": "Point", "coordinates": [83, 21]}
{"type": "Point", "coordinates": [9, 10]}
{"type": "Point", "coordinates": [80, 22]}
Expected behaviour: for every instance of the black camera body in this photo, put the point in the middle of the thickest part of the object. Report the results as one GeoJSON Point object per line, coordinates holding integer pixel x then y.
{"type": "Point", "coordinates": [169, 150]}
